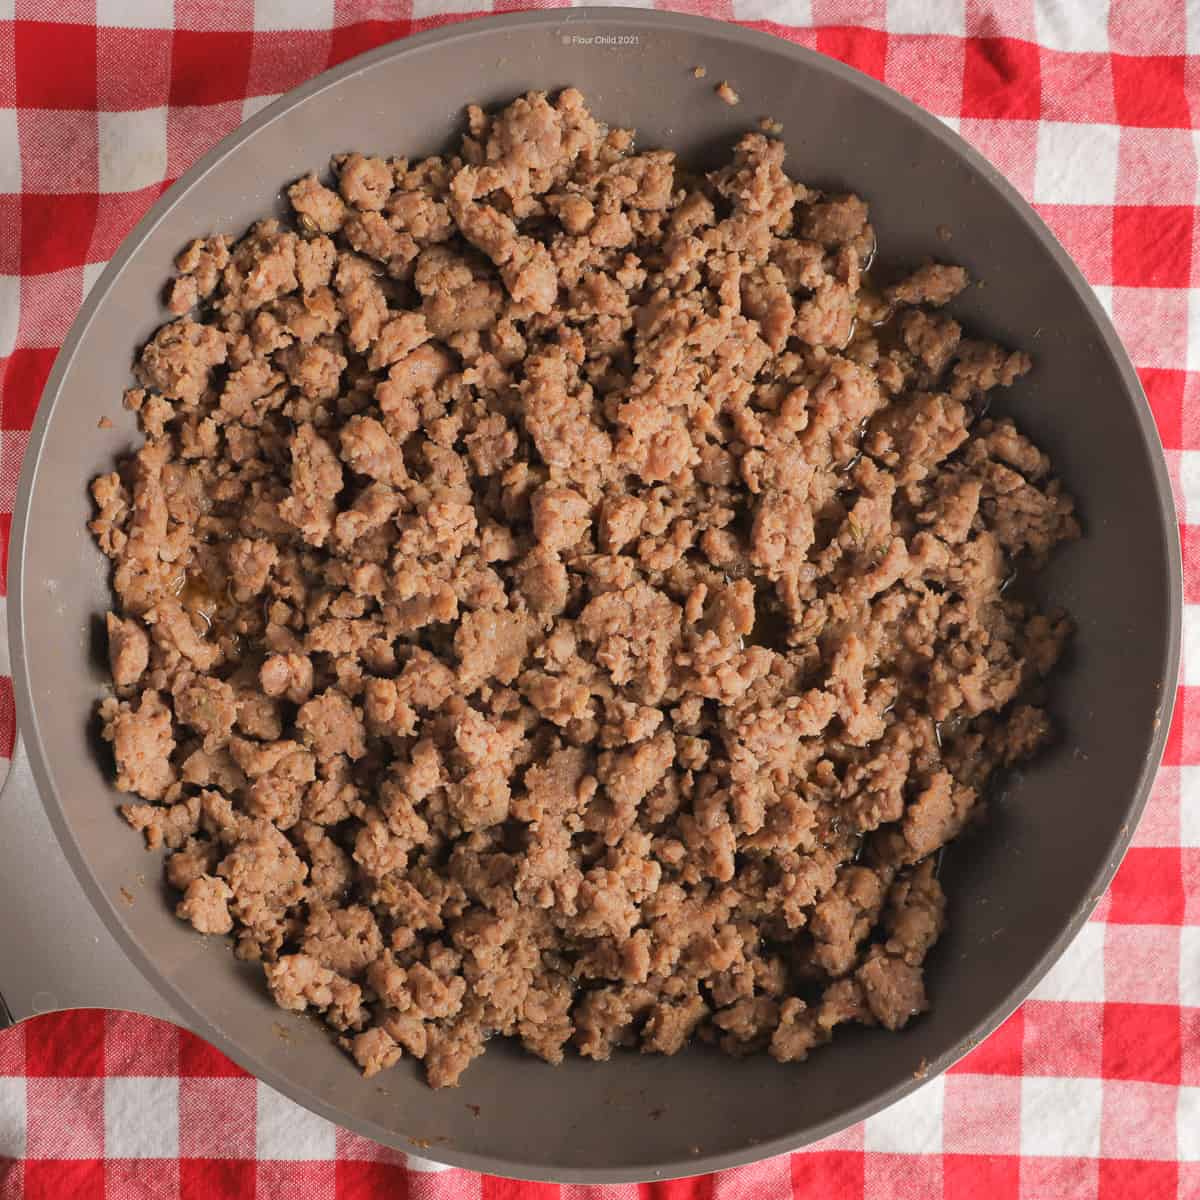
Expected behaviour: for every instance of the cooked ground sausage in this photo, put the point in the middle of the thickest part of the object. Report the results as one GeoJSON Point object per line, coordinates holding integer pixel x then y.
{"type": "Point", "coordinates": [565, 597]}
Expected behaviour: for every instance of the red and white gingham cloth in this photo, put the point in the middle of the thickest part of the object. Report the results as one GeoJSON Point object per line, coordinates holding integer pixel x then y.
{"type": "Point", "coordinates": [1091, 107]}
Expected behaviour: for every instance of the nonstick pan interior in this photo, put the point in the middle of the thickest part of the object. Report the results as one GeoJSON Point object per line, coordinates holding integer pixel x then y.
{"type": "Point", "coordinates": [1017, 892]}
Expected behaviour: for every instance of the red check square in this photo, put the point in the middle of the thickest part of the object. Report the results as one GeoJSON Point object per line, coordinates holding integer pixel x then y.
{"type": "Point", "coordinates": [50, 1180]}
{"type": "Point", "coordinates": [72, 50]}
{"type": "Point", "coordinates": [208, 1178]}
{"type": "Point", "coordinates": [24, 376]}
{"type": "Point", "coordinates": [1150, 91]}
{"type": "Point", "coordinates": [8, 710]}
{"type": "Point", "coordinates": [208, 68]}
{"type": "Point", "coordinates": [971, 1176]}
{"type": "Point", "coordinates": [1121, 1179]}
{"type": "Point", "coordinates": [1152, 245]}
{"type": "Point", "coordinates": [999, 1054]}
{"type": "Point", "coordinates": [1164, 391]}
{"type": "Point", "coordinates": [1002, 78]}
{"type": "Point", "coordinates": [864, 49]}
{"type": "Point", "coordinates": [69, 1044]}
{"type": "Point", "coordinates": [828, 1173]}
{"type": "Point", "coordinates": [1148, 888]}
{"type": "Point", "coordinates": [1142, 1042]}
{"type": "Point", "coordinates": [367, 1180]}
{"type": "Point", "coordinates": [197, 1057]}
{"type": "Point", "coordinates": [55, 231]}
{"type": "Point", "coordinates": [361, 36]}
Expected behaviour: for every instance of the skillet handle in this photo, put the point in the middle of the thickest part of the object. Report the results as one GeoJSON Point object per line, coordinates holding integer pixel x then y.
{"type": "Point", "coordinates": [54, 950]}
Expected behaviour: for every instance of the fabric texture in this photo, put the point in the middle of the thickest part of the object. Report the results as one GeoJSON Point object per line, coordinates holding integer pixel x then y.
{"type": "Point", "coordinates": [1091, 108]}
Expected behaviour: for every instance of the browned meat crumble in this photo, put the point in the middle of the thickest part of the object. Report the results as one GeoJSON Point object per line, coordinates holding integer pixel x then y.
{"type": "Point", "coordinates": [563, 597]}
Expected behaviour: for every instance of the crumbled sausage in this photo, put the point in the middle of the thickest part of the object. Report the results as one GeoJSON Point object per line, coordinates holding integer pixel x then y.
{"type": "Point", "coordinates": [205, 904]}
{"type": "Point", "coordinates": [559, 597]}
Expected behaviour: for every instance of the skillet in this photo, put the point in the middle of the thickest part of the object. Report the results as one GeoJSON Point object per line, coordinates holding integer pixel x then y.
{"type": "Point", "coordinates": [1018, 892]}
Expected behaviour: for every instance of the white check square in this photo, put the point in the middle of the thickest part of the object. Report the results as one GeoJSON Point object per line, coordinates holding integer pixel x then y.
{"type": "Point", "coordinates": [1191, 641]}
{"type": "Point", "coordinates": [254, 104]}
{"type": "Point", "coordinates": [136, 14]}
{"type": "Point", "coordinates": [947, 17]}
{"type": "Point", "coordinates": [1189, 777]}
{"type": "Point", "coordinates": [133, 149]}
{"type": "Point", "coordinates": [1079, 973]}
{"type": "Point", "coordinates": [1074, 25]}
{"type": "Point", "coordinates": [1187, 1124]}
{"type": "Point", "coordinates": [141, 1116]}
{"type": "Point", "coordinates": [12, 1116]}
{"type": "Point", "coordinates": [791, 12]}
{"type": "Point", "coordinates": [1193, 324]}
{"type": "Point", "coordinates": [1076, 163]}
{"type": "Point", "coordinates": [10, 312]}
{"type": "Point", "coordinates": [287, 1131]}
{"type": "Point", "coordinates": [287, 14]}
{"type": "Point", "coordinates": [10, 152]}
{"type": "Point", "coordinates": [912, 1125]}
{"type": "Point", "coordinates": [424, 1166]}
{"type": "Point", "coordinates": [1060, 1118]}
{"type": "Point", "coordinates": [1189, 966]}
{"type": "Point", "coordinates": [435, 8]}
{"type": "Point", "coordinates": [91, 273]}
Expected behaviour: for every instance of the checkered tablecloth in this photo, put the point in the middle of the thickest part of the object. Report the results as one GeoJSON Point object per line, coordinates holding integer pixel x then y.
{"type": "Point", "coordinates": [1091, 108]}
